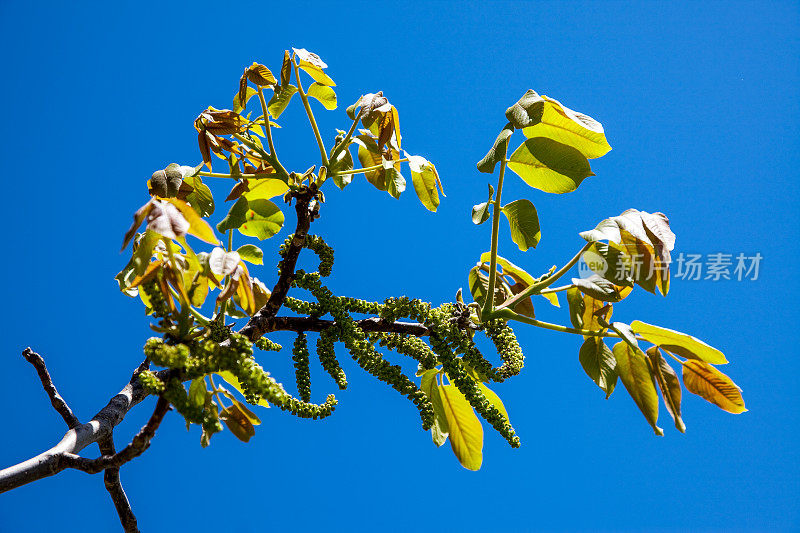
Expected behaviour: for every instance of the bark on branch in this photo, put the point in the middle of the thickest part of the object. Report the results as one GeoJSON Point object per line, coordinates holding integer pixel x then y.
{"type": "Point", "coordinates": [47, 383]}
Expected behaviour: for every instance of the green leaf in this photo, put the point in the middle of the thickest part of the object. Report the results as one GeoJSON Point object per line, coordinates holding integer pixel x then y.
{"type": "Point", "coordinates": [599, 363]}
{"type": "Point", "coordinates": [264, 219]}
{"type": "Point", "coordinates": [231, 380]}
{"type": "Point", "coordinates": [425, 179]}
{"type": "Point", "coordinates": [395, 182]}
{"type": "Point", "coordinates": [549, 166]}
{"type": "Point", "coordinates": [313, 66]}
{"type": "Point", "coordinates": [479, 286]}
{"type": "Point", "coordinates": [197, 392]}
{"type": "Point", "coordinates": [369, 155]}
{"type": "Point", "coordinates": [197, 226]}
{"type": "Point", "coordinates": [679, 343]}
{"type": "Point", "coordinates": [237, 106]}
{"type": "Point", "coordinates": [480, 212]}
{"type": "Point", "coordinates": [323, 93]}
{"type": "Point", "coordinates": [251, 253]}
{"type": "Point", "coordinates": [235, 217]}
{"type": "Point", "coordinates": [344, 161]}
{"type": "Point", "coordinates": [497, 151]}
{"type": "Point", "coordinates": [712, 385]}
{"type": "Point", "coordinates": [524, 223]}
{"type": "Point", "coordinates": [668, 383]}
{"type": "Point", "coordinates": [280, 99]}
{"type": "Point", "coordinates": [466, 432]}
{"type": "Point", "coordinates": [265, 188]}
{"type": "Point", "coordinates": [540, 116]}
{"type": "Point", "coordinates": [635, 375]}
{"type": "Point", "coordinates": [200, 198]}
{"type": "Point", "coordinates": [439, 429]}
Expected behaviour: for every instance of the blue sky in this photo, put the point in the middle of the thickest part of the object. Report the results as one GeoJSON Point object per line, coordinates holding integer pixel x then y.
{"type": "Point", "coordinates": [699, 103]}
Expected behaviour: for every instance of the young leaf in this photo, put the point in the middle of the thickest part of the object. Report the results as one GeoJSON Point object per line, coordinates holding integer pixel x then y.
{"type": "Point", "coordinates": [466, 432]}
{"type": "Point", "coordinates": [679, 343]}
{"type": "Point", "coordinates": [197, 226]}
{"type": "Point", "coordinates": [241, 98]}
{"type": "Point", "coordinates": [235, 217]}
{"type": "Point", "coordinates": [223, 263]}
{"type": "Point", "coordinates": [323, 93]}
{"type": "Point", "coordinates": [424, 177]}
{"type": "Point", "coordinates": [200, 198]}
{"type": "Point", "coordinates": [260, 75]}
{"type": "Point", "coordinates": [264, 189]}
{"type": "Point", "coordinates": [524, 223]}
{"type": "Point", "coordinates": [540, 116]}
{"type": "Point", "coordinates": [635, 375]}
{"type": "Point", "coordinates": [264, 219]}
{"type": "Point", "coordinates": [549, 166]}
{"type": "Point", "coordinates": [496, 152]}
{"type": "Point", "coordinates": [480, 212]}
{"type": "Point", "coordinates": [313, 66]}
{"type": "Point", "coordinates": [166, 220]}
{"type": "Point", "coordinates": [439, 429]}
{"type": "Point", "coordinates": [197, 392]}
{"type": "Point", "coordinates": [251, 253]}
{"type": "Point", "coordinates": [231, 380]}
{"type": "Point", "coordinates": [138, 218]}
{"type": "Point", "coordinates": [280, 99]}
{"type": "Point", "coordinates": [712, 385]}
{"type": "Point", "coordinates": [493, 399]}
{"type": "Point", "coordinates": [599, 363]}
{"type": "Point", "coordinates": [669, 384]}
{"type": "Point", "coordinates": [479, 286]}
{"type": "Point", "coordinates": [237, 422]}
{"type": "Point", "coordinates": [599, 288]}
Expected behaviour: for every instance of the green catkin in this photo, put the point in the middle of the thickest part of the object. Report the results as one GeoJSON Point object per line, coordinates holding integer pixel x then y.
{"type": "Point", "coordinates": [362, 351]}
{"type": "Point", "coordinates": [302, 372]}
{"type": "Point", "coordinates": [158, 304]}
{"type": "Point", "coordinates": [317, 245]}
{"type": "Point", "coordinates": [301, 307]}
{"type": "Point", "coordinates": [409, 345]}
{"type": "Point", "coordinates": [267, 345]}
{"type": "Point", "coordinates": [356, 305]}
{"type": "Point", "coordinates": [507, 346]}
{"type": "Point", "coordinates": [327, 357]}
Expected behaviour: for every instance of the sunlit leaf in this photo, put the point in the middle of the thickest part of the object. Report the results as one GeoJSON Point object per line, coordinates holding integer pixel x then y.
{"type": "Point", "coordinates": [479, 287]}
{"type": "Point", "coordinates": [264, 219]}
{"type": "Point", "coordinates": [552, 297]}
{"type": "Point", "coordinates": [313, 66]}
{"type": "Point", "coordinates": [260, 75]}
{"type": "Point", "coordinates": [712, 385]}
{"type": "Point", "coordinates": [424, 178]}
{"type": "Point", "coordinates": [264, 188]}
{"type": "Point", "coordinates": [231, 380]}
{"type": "Point", "coordinates": [524, 223]}
{"type": "Point", "coordinates": [549, 166]}
{"type": "Point", "coordinates": [240, 99]}
{"type": "Point", "coordinates": [480, 212]}
{"type": "Point", "coordinates": [280, 99]}
{"type": "Point", "coordinates": [439, 429]}
{"type": "Point", "coordinates": [200, 198]}
{"type": "Point", "coordinates": [679, 343]}
{"type": "Point", "coordinates": [197, 226]}
{"type": "Point", "coordinates": [494, 400]}
{"type": "Point", "coordinates": [251, 253]}
{"type": "Point", "coordinates": [466, 432]}
{"type": "Point", "coordinates": [635, 375]}
{"type": "Point", "coordinates": [197, 392]}
{"type": "Point", "coordinates": [168, 221]}
{"type": "Point", "coordinates": [223, 263]}
{"type": "Point", "coordinates": [237, 422]}
{"type": "Point", "coordinates": [323, 93]}
{"type": "Point", "coordinates": [668, 383]}
{"type": "Point", "coordinates": [497, 151]}
{"type": "Point", "coordinates": [599, 288]}
{"type": "Point", "coordinates": [235, 217]}
{"type": "Point", "coordinates": [599, 363]}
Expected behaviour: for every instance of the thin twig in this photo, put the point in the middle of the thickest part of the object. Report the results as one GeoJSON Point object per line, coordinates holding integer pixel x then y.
{"type": "Point", "coordinates": [47, 382]}
{"type": "Point", "coordinates": [115, 490]}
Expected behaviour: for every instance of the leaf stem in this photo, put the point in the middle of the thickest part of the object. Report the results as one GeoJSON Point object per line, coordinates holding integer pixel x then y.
{"type": "Point", "coordinates": [557, 327]}
{"type": "Point", "coordinates": [269, 132]}
{"type": "Point", "coordinates": [488, 305]}
{"type": "Point", "coordinates": [369, 169]}
{"type": "Point", "coordinates": [310, 114]}
{"type": "Point", "coordinates": [557, 289]}
{"type": "Point", "coordinates": [536, 288]}
{"type": "Point", "coordinates": [346, 141]}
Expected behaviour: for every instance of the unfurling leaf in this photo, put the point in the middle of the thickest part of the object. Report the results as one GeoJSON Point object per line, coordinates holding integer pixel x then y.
{"type": "Point", "coordinates": [138, 218]}
{"type": "Point", "coordinates": [549, 166]}
{"type": "Point", "coordinates": [439, 429]}
{"type": "Point", "coordinates": [600, 288]}
{"type": "Point", "coordinates": [599, 363]}
{"type": "Point", "coordinates": [223, 263]}
{"type": "Point", "coordinates": [466, 432]}
{"type": "Point", "coordinates": [712, 385]}
{"type": "Point", "coordinates": [522, 280]}
{"type": "Point", "coordinates": [263, 219]}
{"type": "Point", "coordinates": [480, 212]}
{"type": "Point", "coordinates": [197, 226]}
{"type": "Point", "coordinates": [323, 93]}
{"type": "Point", "coordinates": [260, 75]}
{"type": "Point", "coordinates": [200, 198]}
{"type": "Point", "coordinates": [497, 151]}
{"type": "Point", "coordinates": [540, 116]}
{"type": "Point", "coordinates": [679, 343]}
{"type": "Point", "coordinates": [479, 287]}
{"type": "Point", "coordinates": [237, 422]}
{"type": "Point", "coordinates": [166, 220]}
{"type": "Point", "coordinates": [524, 223]}
{"type": "Point", "coordinates": [668, 383]}
{"type": "Point", "coordinates": [586, 312]}
{"type": "Point", "coordinates": [425, 180]}
{"type": "Point", "coordinates": [637, 379]}
{"type": "Point", "coordinates": [313, 66]}
{"type": "Point", "coordinates": [241, 98]}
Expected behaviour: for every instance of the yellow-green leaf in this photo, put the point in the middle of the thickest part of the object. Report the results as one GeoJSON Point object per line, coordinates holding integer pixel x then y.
{"type": "Point", "coordinates": [313, 66]}
{"type": "Point", "coordinates": [571, 128]}
{"type": "Point", "coordinates": [238, 107]}
{"type": "Point", "coordinates": [679, 343]}
{"type": "Point", "coordinates": [424, 177]}
{"type": "Point", "coordinates": [439, 429]}
{"type": "Point", "coordinates": [524, 223]}
{"type": "Point", "coordinates": [251, 253]}
{"type": "Point", "coordinates": [466, 432]}
{"type": "Point", "coordinates": [323, 93]}
{"type": "Point", "coordinates": [549, 166]}
{"type": "Point", "coordinates": [237, 422]}
{"type": "Point", "coordinates": [280, 99]}
{"type": "Point", "coordinates": [264, 219]}
{"type": "Point", "coordinates": [712, 385]}
{"type": "Point", "coordinates": [635, 375]}
{"type": "Point", "coordinates": [197, 226]}
{"type": "Point", "coordinates": [494, 399]}
{"type": "Point", "coordinates": [231, 380]}
{"type": "Point", "coordinates": [599, 363]}
{"type": "Point", "coordinates": [264, 189]}
{"type": "Point", "coordinates": [669, 384]}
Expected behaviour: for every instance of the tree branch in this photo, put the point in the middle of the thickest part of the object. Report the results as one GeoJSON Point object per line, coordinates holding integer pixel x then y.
{"type": "Point", "coordinates": [47, 382]}
{"type": "Point", "coordinates": [373, 324]}
{"type": "Point", "coordinates": [115, 490]}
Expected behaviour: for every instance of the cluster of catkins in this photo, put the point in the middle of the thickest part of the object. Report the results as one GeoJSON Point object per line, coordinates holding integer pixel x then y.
{"type": "Point", "coordinates": [449, 345]}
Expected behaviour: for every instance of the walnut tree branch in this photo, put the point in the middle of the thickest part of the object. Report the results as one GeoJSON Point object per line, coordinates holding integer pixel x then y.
{"type": "Point", "coordinates": [114, 487]}
{"type": "Point", "coordinates": [47, 382]}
